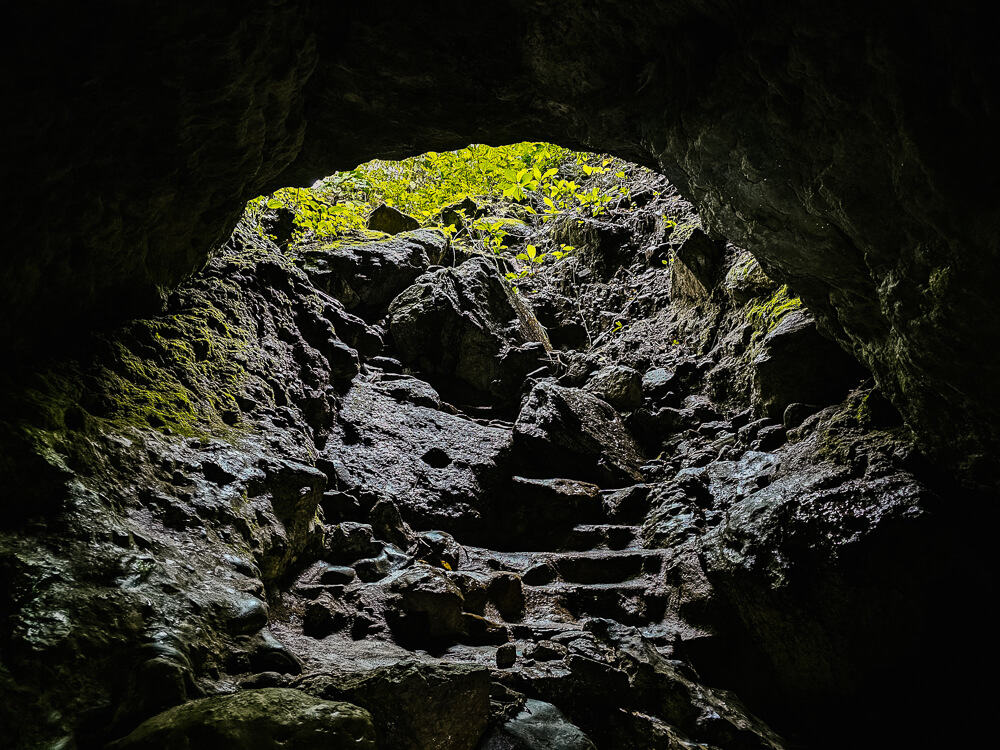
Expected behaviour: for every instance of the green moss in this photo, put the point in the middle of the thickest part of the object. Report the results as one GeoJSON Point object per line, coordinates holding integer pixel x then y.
{"type": "Point", "coordinates": [765, 316]}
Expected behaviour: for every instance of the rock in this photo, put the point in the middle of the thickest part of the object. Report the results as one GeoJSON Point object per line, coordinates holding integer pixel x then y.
{"type": "Point", "coordinates": [569, 432]}
{"type": "Point", "coordinates": [656, 383]}
{"type": "Point", "coordinates": [427, 605]}
{"type": "Point", "coordinates": [540, 726]}
{"type": "Point", "coordinates": [412, 391]}
{"type": "Point", "coordinates": [458, 214]}
{"type": "Point", "coordinates": [537, 512]}
{"type": "Point", "coordinates": [255, 720]}
{"type": "Point", "coordinates": [546, 651]}
{"type": "Point", "coordinates": [481, 631]}
{"type": "Point", "coordinates": [445, 471]}
{"type": "Point", "coordinates": [454, 324]}
{"type": "Point", "coordinates": [620, 386]}
{"type": "Point", "coordinates": [798, 365]}
{"type": "Point", "coordinates": [602, 245]}
{"type": "Point", "coordinates": [696, 266]}
{"type": "Point", "coordinates": [334, 574]}
{"type": "Point", "coordinates": [350, 541]}
{"type": "Point", "coordinates": [506, 656]}
{"type": "Point", "coordinates": [796, 414]}
{"type": "Point", "coordinates": [391, 220]}
{"type": "Point", "coordinates": [414, 705]}
{"type": "Point", "coordinates": [366, 276]}
{"type": "Point", "coordinates": [746, 279]}
{"type": "Point", "coordinates": [505, 592]}
{"type": "Point", "coordinates": [323, 617]}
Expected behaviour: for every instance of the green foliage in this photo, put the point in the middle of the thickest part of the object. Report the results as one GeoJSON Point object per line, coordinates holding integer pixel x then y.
{"type": "Point", "coordinates": [528, 179]}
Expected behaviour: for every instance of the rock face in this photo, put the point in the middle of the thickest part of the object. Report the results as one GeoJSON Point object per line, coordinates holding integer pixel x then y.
{"type": "Point", "coordinates": [455, 323]}
{"type": "Point", "coordinates": [366, 276]}
{"type": "Point", "coordinates": [785, 371]}
{"type": "Point", "coordinates": [571, 433]}
{"type": "Point", "coordinates": [256, 720]}
{"type": "Point", "coordinates": [397, 449]}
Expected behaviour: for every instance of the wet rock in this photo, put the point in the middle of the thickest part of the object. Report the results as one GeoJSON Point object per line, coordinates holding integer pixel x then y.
{"type": "Point", "coordinates": [265, 719]}
{"type": "Point", "coordinates": [415, 705]}
{"type": "Point", "coordinates": [391, 220]}
{"type": "Point", "coordinates": [546, 651]}
{"type": "Point", "coordinates": [454, 324]}
{"type": "Point", "coordinates": [427, 606]}
{"type": "Point", "coordinates": [365, 276]}
{"type": "Point", "coordinates": [602, 245]}
{"type": "Point", "coordinates": [336, 574]}
{"type": "Point", "coordinates": [540, 726]}
{"type": "Point", "coordinates": [656, 383]}
{"type": "Point", "coordinates": [506, 656]}
{"type": "Point", "coordinates": [411, 390]}
{"type": "Point", "coordinates": [445, 471]}
{"type": "Point", "coordinates": [696, 267]}
{"type": "Point", "coordinates": [798, 365]}
{"type": "Point", "coordinates": [504, 591]}
{"type": "Point", "coordinates": [481, 631]}
{"type": "Point", "coordinates": [322, 617]}
{"type": "Point", "coordinates": [620, 386]}
{"type": "Point", "coordinates": [746, 279]}
{"type": "Point", "coordinates": [376, 568]}
{"type": "Point", "coordinates": [268, 654]}
{"type": "Point", "coordinates": [796, 414]}
{"type": "Point", "coordinates": [571, 433]}
{"type": "Point", "coordinates": [538, 512]}
{"type": "Point", "coordinates": [350, 541]}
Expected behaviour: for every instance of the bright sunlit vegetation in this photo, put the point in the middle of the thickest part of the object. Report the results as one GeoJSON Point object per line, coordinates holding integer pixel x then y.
{"type": "Point", "coordinates": [523, 181]}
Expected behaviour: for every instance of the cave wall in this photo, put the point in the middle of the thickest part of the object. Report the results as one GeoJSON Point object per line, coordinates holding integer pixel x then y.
{"type": "Point", "coordinates": [849, 148]}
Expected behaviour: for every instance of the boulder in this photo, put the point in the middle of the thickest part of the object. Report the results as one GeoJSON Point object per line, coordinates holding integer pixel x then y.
{"type": "Point", "coordinates": [415, 705]}
{"type": "Point", "coordinates": [445, 471]}
{"type": "Point", "coordinates": [571, 433]}
{"type": "Point", "coordinates": [365, 276]}
{"type": "Point", "coordinates": [619, 385]}
{"type": "Point", "coordinates": [696, 266]}
{"type": "Point", "coordinates": [454, 325]}
{"type": "Point", "coordinates": [539, 726]}
{"type": "Point", "coordinates": [266, 719]}
{"type": "Point", "coordinates": [391, 220]}
{"type": "Point", "coordinates": [799, 365]}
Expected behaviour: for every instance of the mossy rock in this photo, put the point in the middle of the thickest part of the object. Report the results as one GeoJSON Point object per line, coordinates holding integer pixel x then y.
{"type": "Point", "coordinates": [265, 719]}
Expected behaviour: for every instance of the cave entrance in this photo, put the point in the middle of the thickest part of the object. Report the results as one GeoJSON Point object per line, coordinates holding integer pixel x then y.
{"type": "Point", "coordinates": [529, 325]}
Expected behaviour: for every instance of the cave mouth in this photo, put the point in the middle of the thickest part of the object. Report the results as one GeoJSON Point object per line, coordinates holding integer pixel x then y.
{"type": "Point", "coordinates": [472, 438]}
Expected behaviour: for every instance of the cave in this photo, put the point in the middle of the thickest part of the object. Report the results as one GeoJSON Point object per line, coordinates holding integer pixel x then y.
{"type": "Point", "coordinates": [380, 487]}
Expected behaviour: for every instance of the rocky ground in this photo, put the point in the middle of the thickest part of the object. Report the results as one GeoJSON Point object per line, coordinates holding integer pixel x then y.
{"type": "Point", "coordinates": [362, 494]}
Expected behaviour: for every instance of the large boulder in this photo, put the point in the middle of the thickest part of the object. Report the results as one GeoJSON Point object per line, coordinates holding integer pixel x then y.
{"type": "Point", "coordinates": [366, 275]}
{"type": "Point", "coordinates": [569, 432]}
{"type": "Point", "coordinates": [266, 719]}
{"type": "Point", "coordinates": [535, 513]}
{"type": "Point", "coordinates": [460, 327]}
{"type": "Point", "coordinates": [443, 470]}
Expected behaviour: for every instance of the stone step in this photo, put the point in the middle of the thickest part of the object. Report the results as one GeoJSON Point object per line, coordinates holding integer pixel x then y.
{"type": "Point", "coordinates": [603, 535]}
{"type": "Point", "coordinates": [632, 603]}
{"type": "Point", "coordinates": [605, 566]}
